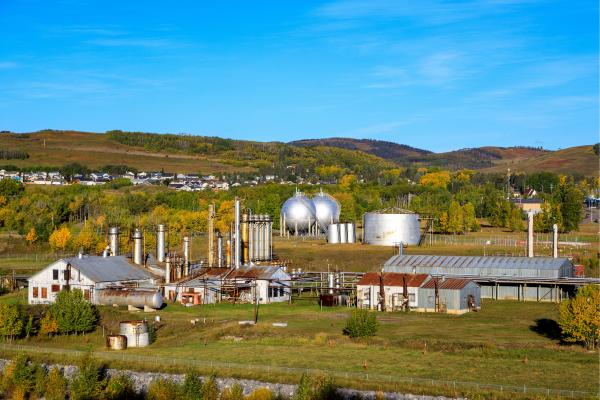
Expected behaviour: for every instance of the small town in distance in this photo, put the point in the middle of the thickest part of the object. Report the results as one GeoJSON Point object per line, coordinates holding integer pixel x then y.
{"type": "Point", "coordinates": [311, 200]}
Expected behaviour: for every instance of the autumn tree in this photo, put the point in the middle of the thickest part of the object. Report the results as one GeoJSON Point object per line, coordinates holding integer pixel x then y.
{"type": "Point", "coordinates": [48, 325]}
{"type": "Point", "coordinates": [60, 239]}
{"type": "Point", "coordinates": [515, 221]}
{"type": "Point", "coordinates": [455, 218]}
{"type": "Point", "coordinates": [11, 321]}
{"type": "Point", "coordinates": [439, 179]}
{"type": "Point", "coordinates": [579, 317]}
{"type": "Point", "coordinates": [469, 219]}
{"type": "Point", "coordinates": [31, 236]}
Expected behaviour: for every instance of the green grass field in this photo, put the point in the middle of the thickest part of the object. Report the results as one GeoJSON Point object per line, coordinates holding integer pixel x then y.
{"type": "Point", "coordinates": [507, 343]}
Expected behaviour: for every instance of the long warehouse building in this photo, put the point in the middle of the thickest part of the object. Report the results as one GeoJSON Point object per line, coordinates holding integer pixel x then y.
{"type": "Point", "coordinates": [515, 278]}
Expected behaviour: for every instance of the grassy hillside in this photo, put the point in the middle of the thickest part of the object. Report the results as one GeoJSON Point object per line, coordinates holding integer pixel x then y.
{"type": "Point", "coordinates": [176, 153]}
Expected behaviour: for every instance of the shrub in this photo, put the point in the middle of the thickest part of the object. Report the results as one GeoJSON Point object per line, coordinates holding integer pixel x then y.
{"type": "Point", "coordinates": [361, 323]}
{"type": "Point", "coordinates": [261, 394]}
{"type": "Point", "coordinates": [192, 387]}
{"type": "Point", "coordinates": [579, 318]}
{"type": "Point", "coordinates": [56, 386]}
{"type": "Point", "coordinates": [119, 387]}
{"type": "Point", "coordinates": [316, 388]}
{"type": "Point", "coordinates": [233, 393]}
{"type": "Point", "coordinates": [87, 383]}
{"type": "Point", "coordinates": [164, 389]}
{"type": "Point", "coordinates": [11, 321]}
{"type": "Point", "coordinates": [22, 375]}
{"type": "Point", "coordinates": [210, 389]}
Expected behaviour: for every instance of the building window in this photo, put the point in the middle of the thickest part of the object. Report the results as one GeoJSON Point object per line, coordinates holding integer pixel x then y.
{"type": "Point", "coordinates": [44, 293]}
{"type": "Point", "coordinates": [35, 292]}
{"type": "Point", "coordinates": [55, 274]}
{"type": "Point", "coordinates": [55, 288]}
{"type": "Point", "coordinates": [281, 292]}
{"type": "Point", "coordinates": [411, 297]}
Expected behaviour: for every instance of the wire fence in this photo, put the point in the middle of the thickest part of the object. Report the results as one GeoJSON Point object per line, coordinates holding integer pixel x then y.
{"type": "Point", "coordinates": [267, 371]}
{"type": "Point", "coordinates": [541, 239]}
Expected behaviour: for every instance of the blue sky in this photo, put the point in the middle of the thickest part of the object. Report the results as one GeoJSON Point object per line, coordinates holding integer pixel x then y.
{"type": "Point", "coordinates": [439, 75]}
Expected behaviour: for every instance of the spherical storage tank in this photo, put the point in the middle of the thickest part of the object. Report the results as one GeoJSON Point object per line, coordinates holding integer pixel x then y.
{"type": "Point", "coordinates": [327, 210]}
{"type": "Point", "coordinates": [390, 229]}
{"type": "Point", "coordinates": [299, 213]}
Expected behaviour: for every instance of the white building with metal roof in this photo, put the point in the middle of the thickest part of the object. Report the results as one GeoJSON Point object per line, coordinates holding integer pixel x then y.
{"type": "Point", "coordinates": [89, 274]}
{"type": "Point", "coordinates": [510, 278]}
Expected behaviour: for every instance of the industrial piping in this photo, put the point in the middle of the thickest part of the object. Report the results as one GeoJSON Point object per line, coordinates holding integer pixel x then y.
{"type": "Point", "coordinates": [138, 251]}
{"type": "Point", "coordinates": [530, 234]}
{"type": "Point", "coordinates": [237, 255]}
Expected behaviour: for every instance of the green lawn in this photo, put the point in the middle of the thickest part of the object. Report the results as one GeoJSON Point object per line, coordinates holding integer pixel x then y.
{"type": "Point", "coordinates": [498, 345]}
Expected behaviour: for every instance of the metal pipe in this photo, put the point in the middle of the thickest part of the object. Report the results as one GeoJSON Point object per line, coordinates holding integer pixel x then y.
{"type": "Point", "coordinates": [237, 234]}
{"type": "Point", "coordinates": [251, 238]}
{"type": "Point", "coordinates": [186, 250]}
{"type": "Point", "coordinates": [228, 252]}
{"type": "Point", "coordinates": [160, 243]}
{"type": "Point", "coordinates": [168, 269]}
{"type": "Point", "coordinates": [220, 250]}
{"type": "Point", "coordinates": [138, 256]}
{"type": "Point", "coordinates": [211, 234]}
{"type": "Point", "coordinates": [245, 228]}
{"type": "Point", "coordinates": [555, 241]}
{"type": "Point", "coordinates": [113, 240]}
{"type": "Point", "coordinates": [530, 234]}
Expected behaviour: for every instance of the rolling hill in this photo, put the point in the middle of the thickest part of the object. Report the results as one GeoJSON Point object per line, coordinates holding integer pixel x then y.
{"type": "Point", "coordinates": [201, 154]}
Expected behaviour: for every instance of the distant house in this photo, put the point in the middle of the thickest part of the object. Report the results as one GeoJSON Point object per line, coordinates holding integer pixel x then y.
{"type": "Point", "coordinates": [369, 286]}
{"type": "Point", "coordinates": [533, 204]}
{"type": "Point", "coordinates": [89, 274]}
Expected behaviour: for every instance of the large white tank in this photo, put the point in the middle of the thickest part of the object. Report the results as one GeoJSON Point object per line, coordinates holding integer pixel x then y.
{"type": "Point", "coordinates": [327, 210]}
{"type": "Point", "coordinates": [299, 213]}
{"type": "Point", "coordinates": [391, 228]}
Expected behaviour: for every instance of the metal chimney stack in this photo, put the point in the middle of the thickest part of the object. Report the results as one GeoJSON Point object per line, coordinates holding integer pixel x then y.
{"type": "Point", "coordinates": [138, 250]}
{"type": "Point", "coordinates": [219, 250]}
{"type": "Point", "coordinates": [186, 250]}
{"type": "Point", "coordinates": [555, 241]}
{"type": "Point", "coordinates": [168, 270]}
{"type": "Point", "coordinates": [160, 243]}
{"type": "Point", "coordinates": [530, 234]}
{"type": "Point", "coordinates": [113, 240]}
{"type": "Point", "coordinates": [237, 234]}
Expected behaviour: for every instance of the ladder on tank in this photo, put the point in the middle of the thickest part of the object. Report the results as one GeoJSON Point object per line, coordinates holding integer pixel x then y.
{"type": "Point", "coordinates": [427, 229]}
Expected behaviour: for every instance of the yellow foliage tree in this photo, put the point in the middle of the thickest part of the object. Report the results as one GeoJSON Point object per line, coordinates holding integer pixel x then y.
{"type": "Point", "coordinates": [3, 201]}
{"type": "Point", "coordinates": [224, 216]}
{"type": "Point", "coordinates": [31, 236]}
{"type": "Point", "coordinates": [60, 238]}
{"type": "Point", "coordinates": [86, 240]}
{"type": "Point", "coordinates": [348, 182]}
{"type": "Point", "coordinates": [48, 325]}
{"type": "Point", "coordinates": [439, 179]}
{"type": "Point", "coordinates": [579, 317]}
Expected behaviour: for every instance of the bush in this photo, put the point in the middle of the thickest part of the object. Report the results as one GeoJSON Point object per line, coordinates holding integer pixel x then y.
{"type": "Point", "coordinates": [261, 394]}
{"type": "Point", "coordinates": [210, 389]}
{"type": "Point", "coordinates": [316, 388]}
{"type": "Point", "coordinates": [11, 321]}
{"type": "Point", "coordinates": [233, 393]}
{"type": "Point", "coordinates": [192, 387]}
{"type": "Point", "coordinates": [164, 389]}
{"type": "Point", "coordinates": [579, 318]}
{"type": "Point", "coordinates": [361, 323]}
{"type": "Point", "coordinates": [120, 387]}
{"type": "Point", "coordinates": [87, 383]}
{"type": "Point", "coordinates": [56, 386]}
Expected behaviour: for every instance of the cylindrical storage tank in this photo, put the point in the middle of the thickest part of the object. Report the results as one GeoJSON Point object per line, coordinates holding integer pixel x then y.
{"type": "Point", "coordinates": [390, 229]}
{"type": "Point", "coordinates": [113, 240]}
{"type": "Point", "coordinates": [327, 210]}
{"type": "Point", "coordinates": [186, 250]}
{"type": "Point", "coordinates": [160, 243]}
{"type": "Point", "coordinates": [333, 233]}
{"type": "Point", "coordinates": [116, 342]}
{"type": "Point", "coordinates": [351, 232]}
{"type": "Point", "coordinates": [299, 212]}
{"type": "Point", "coordinates": [138, 250]}
{"type": "Point", "coordinates": [245, 238]}
{"type": "Point", "coordinates": [129, 297]}
{"type": "Point", "coordinates": [343, 233]}
{"type": "Point", "coordinates": [330, 282]}
{"type": "Point", "coordinates": [220, 250]}
{"type": "Point", "coordinates": [136, 333]}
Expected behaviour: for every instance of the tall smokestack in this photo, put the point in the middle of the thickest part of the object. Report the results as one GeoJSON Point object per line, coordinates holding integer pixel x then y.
{"type": "Point", "coordinates": [138, 251]}
{"type": "Point", "coordinates": [160, 243]}
{"type": "Point", "coordinates": [168, 270]}
{"type": "Point", "coordinates": [555, 241]}
{"type": "Point", "coordinates": [220, 250]}
{"type": "Point", "coordinates": [211, 234]}
{"type": "Point", "coordinates": [186, 250]}
{"type": "Point", "coordinates": [530, 234]}
{"type": "Point", "coordinates": [245, 228]}
{"type": "Point", "coordinates": [113, 240]}
{"type": "Point", "coordinates": [237, 234]}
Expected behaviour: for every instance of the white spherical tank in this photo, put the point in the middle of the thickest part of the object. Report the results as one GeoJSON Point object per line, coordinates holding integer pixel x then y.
{"type": "Point", "coordinates": [390, 229]}
{"type": "Point", "coordinates": [327, 210]}
{"type": "Point", "coordinates": [299, 213]}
